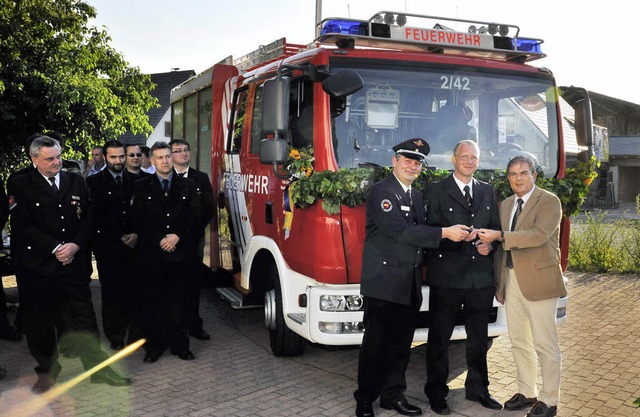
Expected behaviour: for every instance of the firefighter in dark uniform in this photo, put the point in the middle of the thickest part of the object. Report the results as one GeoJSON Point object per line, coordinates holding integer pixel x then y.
{"type": "Point", "coordinates": [181, 155]}
{"type": "Point", "coordinates": [114, 244]}
{"type": "Point", "coordinates": [52, 224]}
{"type": "Point", "coordinates": [392, 280]}
{"type": "Point", "coordinates": [460, 274]}
{"type": "Point", "coordinates": [166, 212]}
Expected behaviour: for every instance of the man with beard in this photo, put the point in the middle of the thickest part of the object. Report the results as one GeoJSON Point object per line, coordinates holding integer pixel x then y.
{"type": "Point", "coordinates": [114, 243]}
{"type": "Point", "coordinates": [52, 224]}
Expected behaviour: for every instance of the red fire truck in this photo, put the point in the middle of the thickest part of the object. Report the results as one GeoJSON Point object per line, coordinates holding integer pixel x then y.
{"type": "Point", "coordinates": [359, 88]}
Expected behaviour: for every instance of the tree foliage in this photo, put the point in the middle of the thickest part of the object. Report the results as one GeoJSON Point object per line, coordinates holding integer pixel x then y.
{"type": "Point", "coordinates": [58, 74]}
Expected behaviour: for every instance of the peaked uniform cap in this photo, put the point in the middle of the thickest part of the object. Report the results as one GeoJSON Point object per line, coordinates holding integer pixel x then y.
{"type": "Point", "coordinates": [415, 148]}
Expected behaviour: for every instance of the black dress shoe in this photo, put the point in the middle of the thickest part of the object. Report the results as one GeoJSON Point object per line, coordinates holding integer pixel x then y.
{"type": "Point", "coordinates": [402, 407]}
{"type": "Point", "coordinates": [43, 384]}
{"type": "Point", "coordinates": [117, 345]}
{"type": "Point", "coordinates": [486, 400]}
{"type": "Point", "coordinates": [440, 406]}
{"type": "Point", "coordinates": [364, 409]}
{"type": "Point", "coordinates": [185, 356]}
{"type": "Point", "coordinates": [199, 334]}
{"type": "Point", "coordinates": [518, 402]}
{"type": "Point", "coordinates": [540, 409]}
{"type": "Point", "coordinates": [110, 377]}
{"type": "Point", "coordinates": [151, 357]}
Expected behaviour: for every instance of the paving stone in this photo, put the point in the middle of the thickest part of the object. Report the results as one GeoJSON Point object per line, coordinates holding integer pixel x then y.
{"type": "Point", "coordinates": [236, 375]}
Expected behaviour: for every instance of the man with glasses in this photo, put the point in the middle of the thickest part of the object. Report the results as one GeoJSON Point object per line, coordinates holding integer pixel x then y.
{"type": "Point", "coordinates": [460, 274]}
{"type": "Point", "coordinates": [166, 213]}
{"type": "Point", "coordinates": [530, 284]}
{"type": "Point", "coordinates": [133, 162]}
{"type": "Point", "coordinates": [114, 244]}
{"type": "Point", "coordinates": [181, 155]}
{"type": "Point", "coordinates": [392, 280]}
{"type": "Point", "coordinates": [51, 220]}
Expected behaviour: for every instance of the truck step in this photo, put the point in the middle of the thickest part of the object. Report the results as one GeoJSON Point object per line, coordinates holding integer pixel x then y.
{"type": "Point", "coordinates": [235, 298]}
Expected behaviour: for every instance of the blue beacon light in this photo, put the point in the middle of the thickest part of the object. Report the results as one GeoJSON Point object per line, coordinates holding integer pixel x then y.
{"type": "Point", "coordinates": [344, 27]}
{"type": "Point", "coordinates": [528, 45]}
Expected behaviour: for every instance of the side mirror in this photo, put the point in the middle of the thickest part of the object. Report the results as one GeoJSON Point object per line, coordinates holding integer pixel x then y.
{"type": "Point", "coordinates": [342, 83]}
{"type": "Point", "coordinates": [274, 151]}
{"type": "Point", "coordinates": [275, 106]}
{"type": "Point", "coordinates": [583, 122]}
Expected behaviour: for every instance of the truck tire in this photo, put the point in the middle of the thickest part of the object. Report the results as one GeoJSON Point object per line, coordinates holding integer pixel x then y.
{"type": "Point", "coordinates": [283, 341]}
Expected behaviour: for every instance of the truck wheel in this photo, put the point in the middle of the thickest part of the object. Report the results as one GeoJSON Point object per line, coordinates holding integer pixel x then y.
{"type": "Point", "coordinates": [284, 342]}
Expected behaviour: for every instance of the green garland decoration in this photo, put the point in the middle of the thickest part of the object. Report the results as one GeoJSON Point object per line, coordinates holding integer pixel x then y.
{"type": "Point", "coordinates": [350, 187]}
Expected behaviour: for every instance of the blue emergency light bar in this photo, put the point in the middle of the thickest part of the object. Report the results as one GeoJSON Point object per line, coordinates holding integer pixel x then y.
{"type": "Point", "coordinates": [385, 29]}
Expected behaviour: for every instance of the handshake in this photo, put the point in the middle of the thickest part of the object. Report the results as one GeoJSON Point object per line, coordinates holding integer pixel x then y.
{"type": "Point", "coordinates": [461, 232]}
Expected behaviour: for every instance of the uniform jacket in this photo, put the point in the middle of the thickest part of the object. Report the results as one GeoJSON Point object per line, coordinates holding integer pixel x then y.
{"type": "Point", "coordinates": [111, 209]}
{"type": "Point", "coordinates": [41, 220]}
{"type": "Point", "coordinates": [458, 264]}
{"type": "Point", "coordinates": [205, 192]}
{"type": "Point", "coordinates": [156, 216]}
{"type": "Point", "coordinates": [534, 246]}
{"type": "Point", "coordinates": [395, 236]}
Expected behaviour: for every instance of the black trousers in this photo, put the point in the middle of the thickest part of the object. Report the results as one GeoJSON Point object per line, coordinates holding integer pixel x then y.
{"type": "Point", "coordinates": [164, 314]}
{"type": "Point", "coordinates": [444, 306]}
{"type": "Point", "coordinates": [56, 310]}
{"type": "Point", "coordinates": [117, 281]}
{"type": "Point", "coordinates": [193, 289]}
{"type": "Point", "coordinates": [385, 350]}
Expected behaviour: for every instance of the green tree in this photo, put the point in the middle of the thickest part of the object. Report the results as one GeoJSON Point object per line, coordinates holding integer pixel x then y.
{"type": "Point", "coordinates": [57, 74]}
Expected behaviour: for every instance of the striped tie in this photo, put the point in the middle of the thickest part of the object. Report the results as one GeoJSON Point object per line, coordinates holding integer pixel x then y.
{"type": "Point", "coordinates": [513, 227]}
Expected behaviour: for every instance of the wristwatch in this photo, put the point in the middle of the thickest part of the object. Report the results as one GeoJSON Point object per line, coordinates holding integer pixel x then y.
{"type": "Point", "coordinates": [501, 235]}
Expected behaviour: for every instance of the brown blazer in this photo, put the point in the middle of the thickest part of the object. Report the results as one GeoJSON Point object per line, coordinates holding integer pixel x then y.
{"type": "Point", "coordinates": [534, 246]}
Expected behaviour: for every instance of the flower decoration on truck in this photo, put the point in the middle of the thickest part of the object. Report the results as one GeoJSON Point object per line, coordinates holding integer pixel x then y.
{"type": "Point", "coordinates": [350, 186]}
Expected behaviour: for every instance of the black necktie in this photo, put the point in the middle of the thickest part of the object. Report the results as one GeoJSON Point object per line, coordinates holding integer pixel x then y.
{"type": "Point", "coordinates": [467, 195]}
{"type": "Point", "coordinates": [407, 197]}
{"type": "Point", "coordinates": [181, 174]}
{"type": "Point", "coordinates": [119, 181]}
{"type": "Point", "coordinates": [53, 184]}
{"type": "Point", "coordinates": [513, 227]}
{"type": "Point", "coordinates": [165, 187]}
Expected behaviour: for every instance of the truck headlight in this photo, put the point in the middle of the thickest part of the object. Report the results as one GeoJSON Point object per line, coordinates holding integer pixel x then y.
{"type": "Point", "coordinates": [341, 302]}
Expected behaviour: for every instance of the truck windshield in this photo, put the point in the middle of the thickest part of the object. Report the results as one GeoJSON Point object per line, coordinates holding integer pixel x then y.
{"type": "Point", "coordinates": [506, 113]}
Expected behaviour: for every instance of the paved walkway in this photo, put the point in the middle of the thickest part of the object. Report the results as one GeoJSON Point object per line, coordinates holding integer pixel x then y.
{"type": "Point", "coordinates": [621, 211]}
{"type": "Point", "coordinates": [236, 375]}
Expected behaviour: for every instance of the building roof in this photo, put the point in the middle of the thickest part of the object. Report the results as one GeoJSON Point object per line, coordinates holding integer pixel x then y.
{"type": "Point", "coordinates": [624, 146]}
{"type": "Point", "coordinates": [164, 82]}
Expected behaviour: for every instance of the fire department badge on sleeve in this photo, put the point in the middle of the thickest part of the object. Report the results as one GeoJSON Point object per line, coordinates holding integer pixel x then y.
{"type": "Point", "coordinates": [386, 205]}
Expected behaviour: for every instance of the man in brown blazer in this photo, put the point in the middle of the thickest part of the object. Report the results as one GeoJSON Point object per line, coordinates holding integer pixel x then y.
{"type": "Point", "coordinates": [530, 283]}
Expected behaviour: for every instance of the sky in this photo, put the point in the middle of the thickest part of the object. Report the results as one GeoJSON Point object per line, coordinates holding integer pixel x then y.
{"type": "Point", "coordinates": [587, 46]}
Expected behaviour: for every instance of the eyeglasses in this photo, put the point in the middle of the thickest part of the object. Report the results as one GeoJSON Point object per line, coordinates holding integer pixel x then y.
{"type": "Point", "coordinates": [522, 174]}
{"type": "Point", "coordinates": [182, 150]}
{"type": "Point", "coordinates": [466, 158]}
{"type": "Point", "coordinates": [133, 155]}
